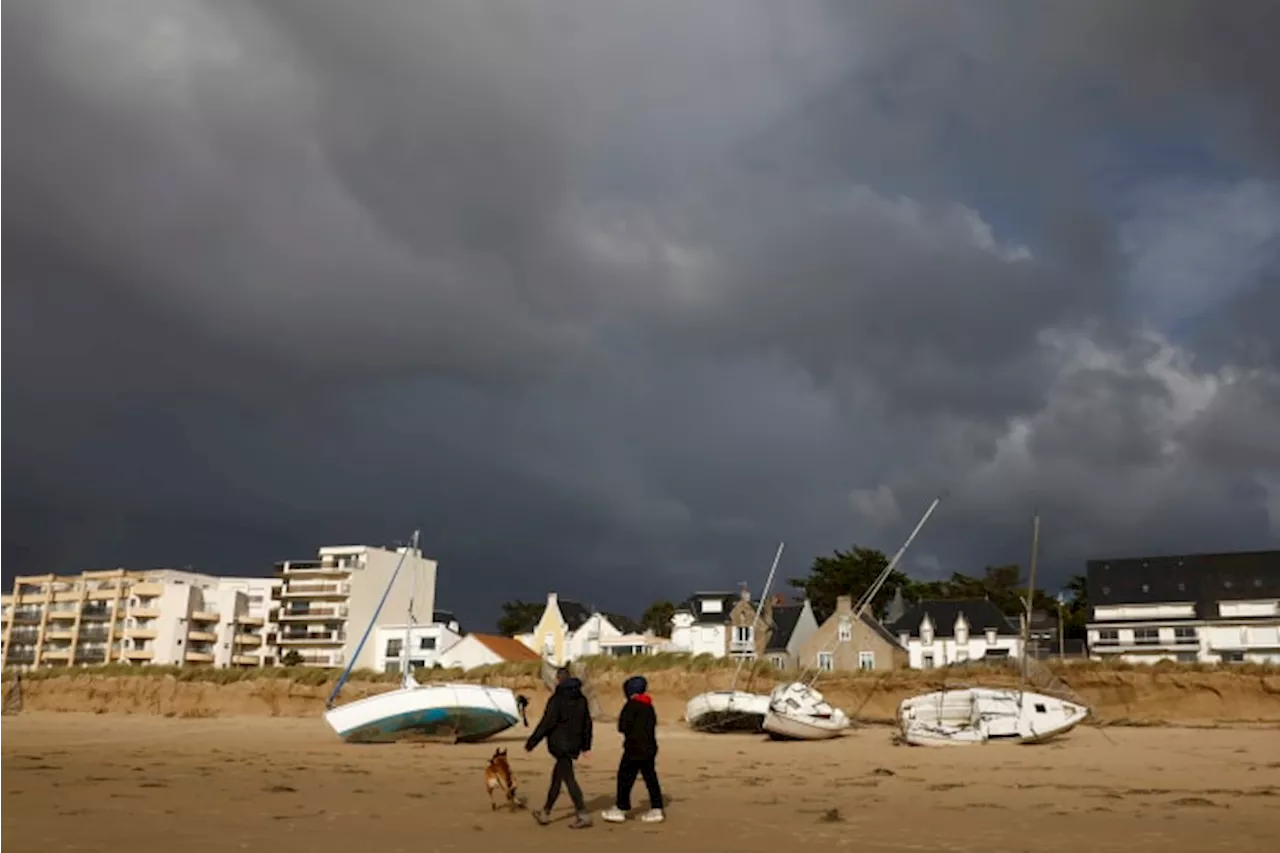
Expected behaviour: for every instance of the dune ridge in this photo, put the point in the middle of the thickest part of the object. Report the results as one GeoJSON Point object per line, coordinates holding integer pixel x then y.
{"type": "Point", "coordinates": [1118, 696]}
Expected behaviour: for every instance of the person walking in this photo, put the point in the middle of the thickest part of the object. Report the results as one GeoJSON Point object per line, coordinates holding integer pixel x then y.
{"type": "Point", "coordinates": [638, 724]}
{"type": "Point", "coordinates": [566, 727]}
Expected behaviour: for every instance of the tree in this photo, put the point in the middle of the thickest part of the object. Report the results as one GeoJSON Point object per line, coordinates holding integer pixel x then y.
{"type": "Point", "coordinates": [1076, 610]}
{"type": "Point", "coordinates": [848, 573]}
{"type": "Point", "coordinates": [292, 658]}
{"type": "Point", "coordinates": [519, 617]}
{"type": "Point", "coordinates": [657, 617]}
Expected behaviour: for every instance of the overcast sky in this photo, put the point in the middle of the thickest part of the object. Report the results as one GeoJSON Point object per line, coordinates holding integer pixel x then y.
{"type": "Point", "coordinates": [609, 297]}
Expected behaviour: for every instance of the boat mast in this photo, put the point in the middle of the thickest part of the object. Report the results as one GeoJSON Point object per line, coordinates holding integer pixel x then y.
{"type": "Point", "coordinates": [1029, 601]}
{"type": "Point", "coordinates": [759, 608]}
{"type": "Point", "coordinates": [407, 679]}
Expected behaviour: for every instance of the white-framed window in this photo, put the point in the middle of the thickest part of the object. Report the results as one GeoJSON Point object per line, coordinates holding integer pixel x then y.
{"type": "Point", "coordinates": [743, 634]}
{"type": "Point", "coordinates": [991, 636]}
{"type": "Point", "coordinates": [866, 660]}
{"type": "Point", "coordinates": [962, 633]}
{"type": "Point", "coordinates": [926, 660]}
{"type": "Point", "coordinates": [926, 634]}
{"type": "Point", "coordinates": [845, 632]}
{"type": "Point", "coordinates": [779, 662]}
{"type": "Point", "coordinates": [826, 662]}
{"type": "Point", "coordinates": [426, 644]}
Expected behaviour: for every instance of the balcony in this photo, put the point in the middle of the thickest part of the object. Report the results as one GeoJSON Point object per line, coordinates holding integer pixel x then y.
{"type": "Point", "coordinates": [59, 634]}
{"type": "Point", "coordinates": [94, 614]}
{"type": "Point", "coordinates": [145, 612]}
{"type": "Point", "coordinates": [140, 633]}
{"type": "Point", "coordinates": [24, 635]}
{"type": "Point", "coordinates": [250, 620]}
{"type": "Point", "coordinates": [62, 615]}
{"type": "Point", "coordinates": [312, 589]}
{"type": "Point", "coordinates": [147, 590]}
{"type": "Point", "coordinates": [313, 568]}
{"type": "Point", "coordinates": [199, 657]}
{"type": "Point", "coordinates": [205, 616]}
{"type": "Point", "coordinates": [91, 656]}
{"type": "Point", "coordinates": [198, 636]}
{"type": "Point", "coordinates": [26, 617]}
{"type": "Point", "coordinates": [92, 634]}
{"type": "Point", "coordinates": [314, 638]}
{"type": "Point", "coordinates": [314, 614]}
{"type": "Point", "coordinates": [248, 640]}
{"type": "Point", "coordinates": [19, 657]}
{"type": "Point", "coordinates": [60, 653]}
{"type": "Point", "coordinates": [244, 660]}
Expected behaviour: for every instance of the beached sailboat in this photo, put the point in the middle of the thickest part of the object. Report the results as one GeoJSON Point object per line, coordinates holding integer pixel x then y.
{"type": "Point", "coordinates": [968, 715]}
{"type": "Point", "coordinates": [733, 710]}
{"type": "Point", "coordinates": [799, 712]}
{"type": "Point", "coordinates": [457, 712]}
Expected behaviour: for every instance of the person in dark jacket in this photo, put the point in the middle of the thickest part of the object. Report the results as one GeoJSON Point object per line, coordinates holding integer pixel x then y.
{"type": "Point", "coordinates": [638, 724]}
{"type": "Point", "coordinates": [566, 727]}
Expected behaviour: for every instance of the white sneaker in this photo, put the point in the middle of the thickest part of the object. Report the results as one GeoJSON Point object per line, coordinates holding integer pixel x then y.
{"type": "Point", "coordinates": [614, 815]}
{"type": "Point", "coordinates": [653, 816]}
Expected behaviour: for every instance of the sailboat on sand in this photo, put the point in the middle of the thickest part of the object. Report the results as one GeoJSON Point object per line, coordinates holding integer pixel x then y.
{"type": "Point", "coordinates": [461, 713]}
{"type": "Point", "coordinates": [733, 710]}
{"type": "Point", "coordinates": [972, 715]}
{"type": "Point", "coordinates": [797, 711]}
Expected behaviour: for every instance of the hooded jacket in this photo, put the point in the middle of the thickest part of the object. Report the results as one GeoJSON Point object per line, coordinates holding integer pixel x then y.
{"type": "Point", "coordinates": [566, 722]}
{"type": "Point", "coordinates": [638, 722]}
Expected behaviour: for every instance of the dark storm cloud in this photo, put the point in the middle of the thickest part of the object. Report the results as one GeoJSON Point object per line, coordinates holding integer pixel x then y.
{"type": "Point", "coordinates": [610, 297]}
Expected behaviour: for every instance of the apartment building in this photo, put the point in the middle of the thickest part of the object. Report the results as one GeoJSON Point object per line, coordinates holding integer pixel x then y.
{"type": "Point", "coordinates": [327, 603]}
{"type": "Point", "coordinates": [1205, 608]}
{"type": "Point", "coordinates": [160, 616]}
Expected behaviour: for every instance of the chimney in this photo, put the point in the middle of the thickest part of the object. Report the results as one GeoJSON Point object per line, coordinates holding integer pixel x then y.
{"type": "Point", "coordinates": [552, 600]}
{"type": "Point", "coordinates": [844, 604]}
{"type": "Point", "coordinates": [744, 593]}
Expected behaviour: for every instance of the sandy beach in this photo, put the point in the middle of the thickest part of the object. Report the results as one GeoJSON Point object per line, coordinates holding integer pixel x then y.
{"type": "Point", "coordinates": [145, 783]}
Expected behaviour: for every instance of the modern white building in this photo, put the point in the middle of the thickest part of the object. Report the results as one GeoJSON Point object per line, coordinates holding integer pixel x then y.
{"type": "Point", "coordinates": [426, 643]}
{"type": "Point", "coordinates": [945, 632]}
{"type": "Point", "coordinates": [160, 616]}
{"type": "Point", "coordinates": [1195, 608]}
{"type": "Point", "coordinates": [702, 624]}
{"type": "Point", "coordinates": [327, 603]}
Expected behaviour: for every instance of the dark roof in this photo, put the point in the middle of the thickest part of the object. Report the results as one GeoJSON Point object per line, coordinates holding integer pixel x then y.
{"type": "Point", "coordinates": [785, 619]}
{"type": "Point", "coordinates": [883, 632]}
{"type": "Point", "coordinates": [575, 614]}
{"type": "Point", "coordinates": [625, 625]}
{"type": "Point", "coordinates": [1202, 579]}
{"type": "Point", "coordinates": [693, 605]}
{"type": "Point", "coordinates": [980, 613]}
{"type": "Point", "coordinates": [443, 617]}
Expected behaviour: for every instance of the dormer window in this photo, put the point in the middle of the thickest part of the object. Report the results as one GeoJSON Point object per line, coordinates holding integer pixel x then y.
{"type": "Point", "coordinates": [991, 636]}
{"type": "Point", "coordinates": [845, 632]}
{"type": "Point", "coordinates": [962, 631]}
{"type": "Point", "coordinates": [926, 633]}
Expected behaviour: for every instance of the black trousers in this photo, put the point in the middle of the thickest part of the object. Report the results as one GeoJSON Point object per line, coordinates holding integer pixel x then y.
{"type": "Point", "coordinates": [627, 771]}
{"type": "Point", "coordinates": [563, 774]}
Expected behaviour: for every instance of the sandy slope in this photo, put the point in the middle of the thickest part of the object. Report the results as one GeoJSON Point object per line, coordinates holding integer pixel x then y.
{"type": "Point", "coordinates": [1144, 696]}
{"type": "Point", "coordinates": [145, 783]}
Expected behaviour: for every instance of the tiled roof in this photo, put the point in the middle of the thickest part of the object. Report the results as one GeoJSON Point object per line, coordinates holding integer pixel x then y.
{"type": "Point", "coordinates": [785, 619]}
{"type": "Point", "coordinates": [624, 624]}
{"type": "Point", "coordinates": [506, 648]}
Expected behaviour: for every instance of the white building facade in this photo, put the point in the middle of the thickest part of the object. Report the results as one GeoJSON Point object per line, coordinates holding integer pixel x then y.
{"type": "Point", "coordinates": [948, 632]}
{"type": "Point", "coordinates": [327, 603]}
{"type": "Point", "coordinates": [1198, 608]}
{"type": "Point", "coordinates": [701, 626]}
{"type": "Point", "coordinates": [426, 644]}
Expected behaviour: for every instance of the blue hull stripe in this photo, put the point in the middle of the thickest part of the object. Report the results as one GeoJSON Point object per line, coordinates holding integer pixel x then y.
{"type": "Point", "coordinates": [469, 724]}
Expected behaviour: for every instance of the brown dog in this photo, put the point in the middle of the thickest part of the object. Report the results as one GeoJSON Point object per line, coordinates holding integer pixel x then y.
{"type": "Point", "coordinates": [498, 775]}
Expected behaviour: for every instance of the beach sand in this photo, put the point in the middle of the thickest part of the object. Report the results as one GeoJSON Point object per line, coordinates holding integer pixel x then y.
{"type": "Point", "coordinates": [145, 783]}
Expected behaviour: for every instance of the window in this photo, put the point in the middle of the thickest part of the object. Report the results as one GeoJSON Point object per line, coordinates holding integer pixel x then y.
{"type": "Point", "coordinates": [926, 660]}
{"type": "Point", "coordinates": [779, 662]}
{"type": "Point", "coordinates": [962, 632]}
{"type": "Point", "coordinates": [991, 636]}
{"type": "Point", "coordinates": [826, 662]}
{"type": "Point", "coordinates": [1108, 637]}
{"type": "Point", "coordinates": [743, 634]}
{"type": "Point", "coordinates": [712, 605]}
{"type": "Point", "coordinates": [926, 634]}
{"type": "Point", "coordinates": [846, 631]}
{"type": "Point", "coordinates": [1040, 709]}
{"type": "Point", "coordinates": [866, 660]}
{"type": "Point", "coordinates": [427, 644]}
{"type": "Point", "coordinates": [394, 647]}
{"type": "Point", "coordinates": [1233, 657]}
{"type": "Point", "coordinates": [1146, 636]}
{"type": "Point", "coordinates": [1185, 635]}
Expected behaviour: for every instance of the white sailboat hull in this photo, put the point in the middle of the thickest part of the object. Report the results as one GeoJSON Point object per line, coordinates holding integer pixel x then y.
{"type": "Point", "coordinates": [462, 712]}
{"type": "Point", "coordinates": [980, 714]}
{"type": "Point", "coordinates": [798, 712]}
{"type": "Point", "coordinates": [726, 711]}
